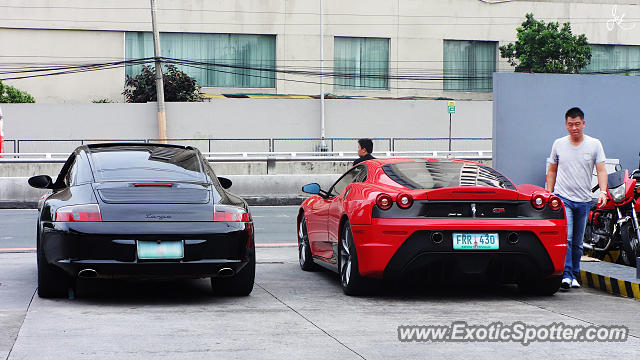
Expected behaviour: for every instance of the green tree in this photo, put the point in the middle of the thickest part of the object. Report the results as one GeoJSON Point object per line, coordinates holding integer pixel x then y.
{"type": "Point", "coordinates": [542, 48]}
{"type": "Point", "coordinates": [9, 94]}
{"type": "Point", "coordinates": [178, 86]}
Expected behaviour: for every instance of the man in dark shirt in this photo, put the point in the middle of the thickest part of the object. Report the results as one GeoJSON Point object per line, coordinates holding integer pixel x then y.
{"type": "Point", "coordinates": [365, 148]}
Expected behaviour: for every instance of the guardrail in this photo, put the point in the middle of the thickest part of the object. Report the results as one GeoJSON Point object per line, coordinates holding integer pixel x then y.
{"type": "Point", "coordinates": [261, 144]}
{"type": "Point", "coordinates": [272, 156]}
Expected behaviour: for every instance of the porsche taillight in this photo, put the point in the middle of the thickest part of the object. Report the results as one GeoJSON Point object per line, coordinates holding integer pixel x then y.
{"type": "Point", "coordinates": [555, 203]}
{"type": "Point", "coordinates": [384, 201]}
{"type": "Point", "coordinates": [225, 213]}
{"type": "Point", "coordinates": [537, 201]}
{"type": "Point", "coordinates": [79, 213]}
{"type": "Point", "coordinates": [404, 201]}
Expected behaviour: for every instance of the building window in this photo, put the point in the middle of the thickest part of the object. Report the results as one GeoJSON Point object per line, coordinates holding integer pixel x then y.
{"type": "Point", "coordinates": [217, 60]}
{"type": "Point", "coordinates": [614, 59]}
{"type": "Point", "coordinates": [469, 65]}
{"type": "Point", "coordinates": [361, 63]}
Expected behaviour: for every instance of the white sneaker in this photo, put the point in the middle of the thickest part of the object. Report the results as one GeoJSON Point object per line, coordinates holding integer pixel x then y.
{"type": "Point", "coordinates": [566, 283]}
{"type": "Point", "coordinates": [575, 284]}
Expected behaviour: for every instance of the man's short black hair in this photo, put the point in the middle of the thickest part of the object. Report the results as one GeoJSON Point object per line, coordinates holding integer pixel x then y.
{"type": "Point", "coordinates": [574, 113]}
{"type": "Point", "coordinates": [366, 144]}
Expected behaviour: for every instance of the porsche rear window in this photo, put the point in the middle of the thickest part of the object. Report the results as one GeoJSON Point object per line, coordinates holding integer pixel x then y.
{"type": "Point", "coordinates": [444, 173]}
{"type": "Point", "coordinates": [146, 164]}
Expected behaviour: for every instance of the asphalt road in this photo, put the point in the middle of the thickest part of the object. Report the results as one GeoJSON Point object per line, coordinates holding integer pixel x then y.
{"type": "Point", "coordinates": [290, 314]}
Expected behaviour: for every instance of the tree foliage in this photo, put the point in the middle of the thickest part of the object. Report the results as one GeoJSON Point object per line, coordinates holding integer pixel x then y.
{"type": "Point", "coordinates": [9, 94]}
{"type": "Point", "coordinates": [542, 48]}
{"type": "Point", "coordinates": [178, 86]}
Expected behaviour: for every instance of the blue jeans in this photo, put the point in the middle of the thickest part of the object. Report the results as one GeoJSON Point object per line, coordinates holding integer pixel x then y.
{"type": "Point", "coordinates": [577, 213]}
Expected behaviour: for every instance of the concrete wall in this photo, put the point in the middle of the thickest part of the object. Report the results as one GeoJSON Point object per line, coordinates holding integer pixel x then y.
{"type": "Point", "coordinates": [253, 118]}
{"type": "Point", "coordinates": [529, 115]}
{"type": "Point", "coordinates": [15, 192]}
{"type": "Point", "coordinates": [81, 32]}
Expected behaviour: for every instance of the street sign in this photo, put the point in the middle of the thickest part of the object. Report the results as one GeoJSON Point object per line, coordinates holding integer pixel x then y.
{"type": "Point", "coordinates": [452, 107]}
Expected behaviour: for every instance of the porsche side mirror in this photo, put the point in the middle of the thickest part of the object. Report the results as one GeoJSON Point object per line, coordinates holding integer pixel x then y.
{"type": "Point", "coordinates": [226, 183]}
{"type": "Point", "coordinates": [41, 182]}
{"type": "Point", "coordinates": [313, 188]}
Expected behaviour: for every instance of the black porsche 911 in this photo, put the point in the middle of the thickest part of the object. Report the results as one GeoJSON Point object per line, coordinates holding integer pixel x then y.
{"type": "Point", "coordinates": [142, 211]}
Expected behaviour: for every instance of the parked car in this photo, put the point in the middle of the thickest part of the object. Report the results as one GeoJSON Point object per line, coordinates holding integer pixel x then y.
{"type": "Point", "coordinates": [386, 218]}
{"type": "Point", "coordinates": [125, 210]}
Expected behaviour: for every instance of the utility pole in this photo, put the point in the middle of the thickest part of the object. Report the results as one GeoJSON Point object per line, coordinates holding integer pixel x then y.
{"type": "Point", "coordinates": [162, 117]}
{"type": "Point", "coordinates": [322, 132]}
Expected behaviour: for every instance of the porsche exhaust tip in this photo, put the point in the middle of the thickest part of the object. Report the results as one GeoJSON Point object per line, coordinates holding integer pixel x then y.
{"type": "Point", "coordinates": [88, 273]}
{"type": "Point", "coordinates": [513, 238]}
{"type": "Point", "coordinates": [226, 272]}
{"type": "Point", "coordinates": [437, 237]}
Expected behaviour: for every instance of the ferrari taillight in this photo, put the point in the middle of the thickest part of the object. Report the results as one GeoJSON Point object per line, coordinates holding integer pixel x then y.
{"type": "Point", "coordinates": [555, 203]}
{"type": "Point", "coordinates": [79, 213]}
{"type": "Point", "coordinates": [384, 201]}
{"type": "Point", "coordinates": [537, 201]}
{"type": "Point", "coordinates": [226, 213]}
{"type": "Point", "coordinates": [404, 201]}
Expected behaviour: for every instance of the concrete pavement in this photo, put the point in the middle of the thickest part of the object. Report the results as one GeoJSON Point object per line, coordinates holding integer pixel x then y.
{"type": "Point", "coordinates": [290, 314]}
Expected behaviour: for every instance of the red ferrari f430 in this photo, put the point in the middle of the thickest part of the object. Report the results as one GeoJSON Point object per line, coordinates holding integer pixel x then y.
{"type": "Point", "coordinates": [386, 218]}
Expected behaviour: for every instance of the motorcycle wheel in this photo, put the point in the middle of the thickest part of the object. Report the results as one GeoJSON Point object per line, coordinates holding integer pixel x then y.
{"type": "Point", "coordinates": [630, 245]}
{"type": "Point", "coordinates": [587, 239]}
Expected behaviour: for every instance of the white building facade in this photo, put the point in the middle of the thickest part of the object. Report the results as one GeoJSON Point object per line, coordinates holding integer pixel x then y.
{"type": "Point", "coordinates": [381, 48]}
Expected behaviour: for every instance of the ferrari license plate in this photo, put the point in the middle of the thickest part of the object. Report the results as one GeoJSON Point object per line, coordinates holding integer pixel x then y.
{"type": "Point", "coordinates": [156, 250]}
{"type": "Point", "coordinates": [476, 241]}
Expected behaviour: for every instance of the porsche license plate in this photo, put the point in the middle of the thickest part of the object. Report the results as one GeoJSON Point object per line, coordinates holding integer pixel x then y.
{"type": "Point", "coordinates": [476, 241]}
{"type": "Point", "coordinates": [156, 250]}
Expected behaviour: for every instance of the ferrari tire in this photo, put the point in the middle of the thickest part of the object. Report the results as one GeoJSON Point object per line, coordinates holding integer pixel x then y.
{"type": "Point", "coordinates": [305, 257]}
{"type": "Point", "coordinates": [544, 287]}
{"type": "Point", "coordinates": [630, 245]}
{"type": "Point", "coordinates": [52, 281]}
{"type": "Point", "coordinates": [351, 281]}
{"type": "Point", "coordinates": [241, 284]}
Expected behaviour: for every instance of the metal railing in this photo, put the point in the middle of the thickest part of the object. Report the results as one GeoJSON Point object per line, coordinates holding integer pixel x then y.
{"type": "Point", "coordinates": [272, 156]}
{"type": "Point", "coordinates": [260, 144]}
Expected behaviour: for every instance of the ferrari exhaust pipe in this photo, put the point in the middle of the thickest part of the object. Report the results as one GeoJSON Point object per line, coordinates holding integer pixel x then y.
{"type": "Point", "coordinates": [226, 272]}
{"type": "Point", "coordinates": [513, 238]}
{"type": "Point", "coordinates": [88, 273]}
{"type": "Point", "coordinates": [437, 237]}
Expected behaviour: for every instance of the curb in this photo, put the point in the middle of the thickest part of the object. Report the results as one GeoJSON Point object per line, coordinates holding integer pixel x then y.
{"type": "Point", "coordinates": [611, 285]}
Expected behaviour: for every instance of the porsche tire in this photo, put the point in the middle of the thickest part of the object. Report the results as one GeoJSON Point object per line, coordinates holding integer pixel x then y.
{"type": "Point", "coordinates": [52, 281]}
{"type": "Point", "coordinates": [305, 257]}
{"type": "Point", "coordinates": [241, 284]}
{"type": "Point", "coordinates": [351, 281]}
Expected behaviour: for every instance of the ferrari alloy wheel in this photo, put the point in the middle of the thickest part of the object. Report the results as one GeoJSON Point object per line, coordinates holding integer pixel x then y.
{"type": "Point", "coordinates": [630, 245]}
{"type": "Point", "coordinates": [304, 251]}
{"type": "Point", "coordinates": [350, 279]}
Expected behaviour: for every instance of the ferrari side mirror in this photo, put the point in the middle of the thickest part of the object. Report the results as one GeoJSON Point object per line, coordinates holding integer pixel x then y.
{"type": "Point", "coordinates": [313, 188]}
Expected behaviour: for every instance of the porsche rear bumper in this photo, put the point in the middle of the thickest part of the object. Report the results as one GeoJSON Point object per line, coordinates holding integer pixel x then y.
{"type": "Point", "coordinates": [110, 248]}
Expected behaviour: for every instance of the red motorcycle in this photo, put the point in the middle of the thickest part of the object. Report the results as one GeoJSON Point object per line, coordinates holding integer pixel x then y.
{"type": "Point", "coordinates": [615, 226]}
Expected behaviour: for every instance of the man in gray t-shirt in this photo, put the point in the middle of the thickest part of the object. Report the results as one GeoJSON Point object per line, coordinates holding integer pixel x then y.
{"type": "Point", "coordinates": [569, 176]}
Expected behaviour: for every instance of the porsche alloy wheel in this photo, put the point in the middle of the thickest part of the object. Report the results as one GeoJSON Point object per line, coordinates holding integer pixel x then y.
{"type": "Point", "coordinates": [304, 251]}
{"type": "Point", "coordinates": [351, 281]}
